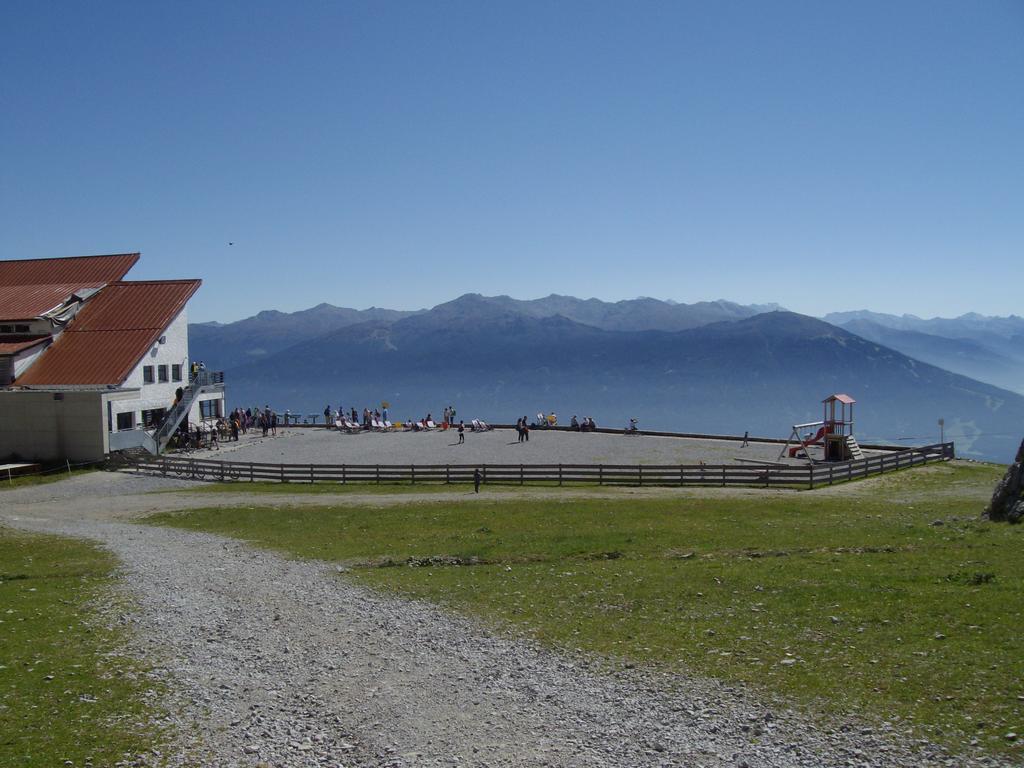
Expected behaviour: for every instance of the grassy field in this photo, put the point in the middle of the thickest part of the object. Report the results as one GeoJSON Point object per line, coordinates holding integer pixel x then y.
{"type": "Point", "coordinates": [64, 692]}
{"type": "Point", "coordinates": [286, 489]}
{"type": "Point", "coordinates": [891, 598]}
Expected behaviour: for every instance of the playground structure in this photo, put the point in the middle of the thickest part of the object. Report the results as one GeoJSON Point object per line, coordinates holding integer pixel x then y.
{"type": "Point", "coordinates": [834, 432]}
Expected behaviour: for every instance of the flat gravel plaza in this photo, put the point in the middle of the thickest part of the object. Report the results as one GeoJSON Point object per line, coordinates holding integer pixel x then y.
{"type": "Point", "coordinates": [303, 445]}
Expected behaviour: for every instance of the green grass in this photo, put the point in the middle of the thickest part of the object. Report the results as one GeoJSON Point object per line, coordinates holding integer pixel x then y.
{"type": "Point", "coordinates": [849, 601]}
{"type": "Point", "coordinates": [65, 694]}
{"type": "Point", "coordinates": [272, 488]}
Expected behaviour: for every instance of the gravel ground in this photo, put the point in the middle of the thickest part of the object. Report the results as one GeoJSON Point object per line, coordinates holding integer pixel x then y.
{"type": "Point", "coordinates": [287, 663]}
{"type": "Point", "coordinates": [323, 446]}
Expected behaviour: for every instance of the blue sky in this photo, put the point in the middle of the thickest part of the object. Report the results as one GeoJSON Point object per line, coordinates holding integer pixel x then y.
{"type": "Point", "coordinates": [825, 156]}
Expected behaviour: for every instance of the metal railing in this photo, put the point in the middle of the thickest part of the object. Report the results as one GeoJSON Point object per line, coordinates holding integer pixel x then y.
{"type": "Point", "coordinates": [201, 383]}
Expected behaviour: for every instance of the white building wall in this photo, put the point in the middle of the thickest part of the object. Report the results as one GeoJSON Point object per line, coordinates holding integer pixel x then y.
{"type": "Point", "coordinates": [174, 351]}
{"type": "Point", "coordinates": [24, 359]}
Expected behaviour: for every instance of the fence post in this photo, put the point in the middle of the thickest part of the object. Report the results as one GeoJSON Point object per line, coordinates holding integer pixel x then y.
{"type": "Point", "coordinates": [484, 478]}
{"type": "Point", "coordinates": [447, 474]}
{"type": "Point", "coordinates": [282, 474]}
{"type": "Point", "coordinates": [412, 473]}
{"type": "Point", "coordinates": [344, 479]}
{"type": "Point", "coordinates": [830, 468]}
{"type": "Point", "coordinates": [378, 474]}
{"type": "Point", "coordinates": [640, 474]}
{"type": "Point", "coordinates": [251, 479]}
{"type": "Point", "coordinates": [69, 465]}
{"type": "Point", "coordinates": [723, 475]}
{"type": "Point", "coordinates": [600, 474]}
{"type": "Point", "coordinates": [311, 475]}
{"type": "Point", "coordinates": [559, 474]}
{"type": "Point", "coordinates": [522, 475]}
{"type": "Point", "coordinates": [222, 471]}
{"type": "Point", "coordinates": [680, 474]}
{"type": "Point", "coordinates": [810, 477]}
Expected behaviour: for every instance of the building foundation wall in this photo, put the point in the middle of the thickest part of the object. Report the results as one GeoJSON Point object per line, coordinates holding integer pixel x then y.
{"type": "Point", "coordinates": [52, 426]}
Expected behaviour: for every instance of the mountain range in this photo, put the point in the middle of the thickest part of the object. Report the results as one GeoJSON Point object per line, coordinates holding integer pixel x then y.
{"type": "Point", "coordinates": [987, 348]}
{"type": "Point", "coordinates": [708, 367]}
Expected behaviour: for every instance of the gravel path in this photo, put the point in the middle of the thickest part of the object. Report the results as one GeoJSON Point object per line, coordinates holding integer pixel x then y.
{"type": "Point", "coordinates": [286, 663]}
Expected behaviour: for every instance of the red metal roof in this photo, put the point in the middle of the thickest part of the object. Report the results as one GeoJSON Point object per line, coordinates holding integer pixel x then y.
{"type": "Point", "coordinates": [111, 334]}
{"type": "Point", "coordinates": [82, 270]}
{"type": "Point", "coordinates": [840, 398]}
{"type": "Point", "coordinates": [24, 302]}
{"type": "Point", "coordinates": [14, 344]}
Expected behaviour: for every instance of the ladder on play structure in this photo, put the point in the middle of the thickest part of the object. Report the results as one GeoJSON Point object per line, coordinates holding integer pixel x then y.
{"type": "Point", "coordinates": [853, 447]}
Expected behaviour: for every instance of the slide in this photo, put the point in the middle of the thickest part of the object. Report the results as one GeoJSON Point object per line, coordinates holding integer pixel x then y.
{"type": "Point", "coordinates": [809, 441]}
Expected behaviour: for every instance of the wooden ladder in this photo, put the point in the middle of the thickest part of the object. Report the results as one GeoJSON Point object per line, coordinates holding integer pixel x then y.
{"type": "Point", "coordinates": [854, 447]}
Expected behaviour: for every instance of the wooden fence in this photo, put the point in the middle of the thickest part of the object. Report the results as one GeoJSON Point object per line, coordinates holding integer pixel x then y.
{"type": "Point", "coordinates": [805, 476]}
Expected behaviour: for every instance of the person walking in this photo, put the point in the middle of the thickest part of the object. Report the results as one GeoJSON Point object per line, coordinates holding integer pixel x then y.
{"type": "Point", "coordinates": [476, 480]}
{"type": "Point", "coordinates": [327, 416]}
{"type": "Point", "coordinates": [746, 440]}
{"type": "Point", "coordinates": [462, 433]}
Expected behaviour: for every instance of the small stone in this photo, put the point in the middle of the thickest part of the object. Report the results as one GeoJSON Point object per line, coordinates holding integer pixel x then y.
{"type": "Point", "coordinates": [1011, 736]}
{"type": "Point", "coordinates": [788, 662]}
{"type": "Point", "coordinates": [939, 636]}
{"type": "Point", "coordinates": [938, 522]}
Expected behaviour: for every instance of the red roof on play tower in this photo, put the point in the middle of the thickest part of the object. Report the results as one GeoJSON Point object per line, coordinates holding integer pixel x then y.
{"type": "Point", "coordinates": [846, 399]}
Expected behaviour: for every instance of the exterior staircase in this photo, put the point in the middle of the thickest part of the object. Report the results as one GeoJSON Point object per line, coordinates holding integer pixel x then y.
{"type": "Point", "coordinates": [853, 448]}
{"type": "Point", "coordinates": [205, 382]}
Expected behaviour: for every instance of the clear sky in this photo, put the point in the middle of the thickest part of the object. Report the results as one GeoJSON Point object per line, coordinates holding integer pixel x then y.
{"type": "Point", "coordinates": [825, 156]}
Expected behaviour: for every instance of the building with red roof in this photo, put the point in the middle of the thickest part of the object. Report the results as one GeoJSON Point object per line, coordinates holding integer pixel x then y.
{"type": "Point", "coordinates": [91, 363]}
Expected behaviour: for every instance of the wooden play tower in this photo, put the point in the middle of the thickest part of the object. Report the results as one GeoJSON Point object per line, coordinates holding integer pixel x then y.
{"type": "Point", "coordinates": [834, 432]}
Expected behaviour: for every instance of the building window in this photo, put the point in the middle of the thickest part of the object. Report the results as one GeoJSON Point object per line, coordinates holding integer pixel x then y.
{"type": "Point", "coordinates": [147, 374]}
{"type": "Point", "coordinates": [161, 371]}
{"type": "Point", "coordinates": [152, 418]}
{"type": "Point", "coordinates": [21, 329]}
{"type": "Point", "coordinates": [209, 409]}
{"type": "Point", "coordinates": [6, 329]}
{"type": "Point", "coordinates": [126, 420]}
{"type": "Point", "coordinates": [176, 372]}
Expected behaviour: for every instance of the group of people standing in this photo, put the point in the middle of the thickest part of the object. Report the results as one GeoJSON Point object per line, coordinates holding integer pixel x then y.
{"type": "Point", "coordinates": [523, 430]}
{"type": "Point", "coordinates": [251, 418]}
{"type": "Point", "coordinates": [366, 420]}
{"type": "Point", "coordinates": [449, 416]}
